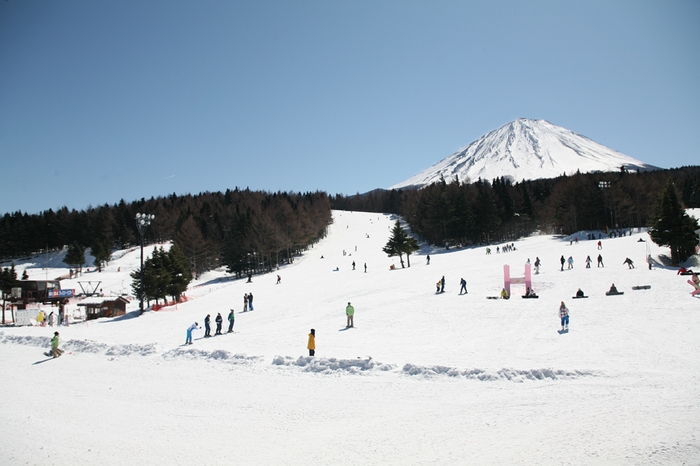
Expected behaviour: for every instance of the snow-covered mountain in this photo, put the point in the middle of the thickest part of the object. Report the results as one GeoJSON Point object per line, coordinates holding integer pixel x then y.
{"type": "Point", "coordinates": [526, 150]}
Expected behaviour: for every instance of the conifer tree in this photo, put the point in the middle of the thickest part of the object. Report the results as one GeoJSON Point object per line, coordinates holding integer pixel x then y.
{"type": "Point", "coordinates": [673, 227]}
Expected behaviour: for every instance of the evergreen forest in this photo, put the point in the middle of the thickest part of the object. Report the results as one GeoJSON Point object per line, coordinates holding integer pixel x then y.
{"type": "Point", "coordinates": [248, 231]}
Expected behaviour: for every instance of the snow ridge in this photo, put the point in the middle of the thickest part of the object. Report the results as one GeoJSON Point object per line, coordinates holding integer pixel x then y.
{"type": "Point", "coordinates": [330, 365]}
{"type": "Point", "coordinates": [513, 375]}
{"type": "Point", "coordinates": [526, 149]}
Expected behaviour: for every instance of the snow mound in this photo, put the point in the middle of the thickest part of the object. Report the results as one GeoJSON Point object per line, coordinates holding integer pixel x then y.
{"type": "Point", "coordinates": [25, 340]}
{"type": "Point", "coordinates": [513, 375]}
{"type": "Point", "coordinates": [331, 365]}
{"type": "Point", "coordinates": [217, 355]}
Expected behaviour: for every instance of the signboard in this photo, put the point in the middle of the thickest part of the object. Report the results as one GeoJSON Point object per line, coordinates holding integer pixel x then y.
{"type": "Point", "coordinates": [61, 293]}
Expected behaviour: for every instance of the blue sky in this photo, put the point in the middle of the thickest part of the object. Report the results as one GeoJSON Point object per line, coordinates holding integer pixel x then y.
{"type": "Point", "coordinates": [109, 100]}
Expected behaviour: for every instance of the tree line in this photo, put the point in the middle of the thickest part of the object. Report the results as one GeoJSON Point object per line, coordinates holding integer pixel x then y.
{"type": "Point", "coordinates": [485, 212]}
{"type": "Point", "coordinates": [248, 231]}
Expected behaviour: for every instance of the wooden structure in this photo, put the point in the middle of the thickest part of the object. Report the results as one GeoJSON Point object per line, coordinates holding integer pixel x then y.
{"type": "Point", "coordinates": [97, 307]}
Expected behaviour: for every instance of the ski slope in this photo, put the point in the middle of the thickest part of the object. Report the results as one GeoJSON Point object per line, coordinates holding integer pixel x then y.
{"type": "Point", "coordinates": [421, 379]}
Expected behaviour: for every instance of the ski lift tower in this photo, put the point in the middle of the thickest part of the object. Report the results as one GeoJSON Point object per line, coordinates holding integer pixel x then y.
{"type": "Point", "coordinates": [142, 223]}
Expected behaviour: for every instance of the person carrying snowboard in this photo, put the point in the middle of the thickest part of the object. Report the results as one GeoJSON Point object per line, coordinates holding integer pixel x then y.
{"type": "Point", "coordinates": [564, 316]}
{"type": "Point", "coordinates": [311, 345]}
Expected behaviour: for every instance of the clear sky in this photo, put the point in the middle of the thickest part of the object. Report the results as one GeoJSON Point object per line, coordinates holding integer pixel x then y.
{"type": "Point", "coordinates": [108, 100]}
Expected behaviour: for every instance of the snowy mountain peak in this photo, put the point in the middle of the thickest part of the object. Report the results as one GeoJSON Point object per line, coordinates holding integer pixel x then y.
{"type": "Point", "coordinates": [526, 149]}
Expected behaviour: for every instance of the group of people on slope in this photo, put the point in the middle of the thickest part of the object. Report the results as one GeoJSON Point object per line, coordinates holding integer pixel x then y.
{"type": "Point", "coordinates": [248, 302]}
{"type": "Point", "coordinates": [207, 326]}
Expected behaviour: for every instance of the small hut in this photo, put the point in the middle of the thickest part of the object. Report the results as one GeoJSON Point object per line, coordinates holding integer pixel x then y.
{"type": "Point", "coordinates": [97, 307]}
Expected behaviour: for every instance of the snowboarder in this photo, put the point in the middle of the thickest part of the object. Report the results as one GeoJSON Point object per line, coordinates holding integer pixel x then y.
{"type": "Point", "coordinates": [207, 326]}
{"type": "Point", "coordinates": [564, 316]}
{"type": "Point", "coordinates": [579, 293]}
{"type": "Point", "coordinates": [427, 259]}
{"type": "Point", "coordinates": [279, 280]}
{"type": "Point", "coordinates": [437, 285]}
{"type": "Point", "coordinates": [570, 261]}
{"type": "Point", "coordinates": [629, 262]}
{"type": "Point", "coordinates": [588, 262]}
{"type": "Point", "coordinates": [353, 265]}
{"type": "Point", "coordinates": [504, 294]}
{"type": "Point", "coordinates": [537, 265]}
{"type": "Point", "coordinates": [219, 320]}
{"type": "Point", "coordinates": [190, 329]}
{"type": "Point", "coordinates": [350, 313]}
{"type": "Point", "coordinates": [600, 261]}
{"type": "Point", "coordinates": [311, 345]}
{"type": "Point", "coordinates": [613, 289]}
{"type": "Point", "coordinates": [600, 245]}
{"type": "Point", "coordinates": [563, 261]}
{"type": "Point", "coordinates": [40, 319]}
{"type": "Point", "coordinates": [442, 284]}
{"type": "Point", "coordinates": [250, 301]}
{"type": "Point", "coordinates": [55, 351]}
{"type": "Point", "coordinates": [231, 321]}
{"type": "Point", "coordinates": [365, 267]}
{"type": "Point", "coordinates": [463, 285]}
{"type": "Point", "coordinates": [245, 302]}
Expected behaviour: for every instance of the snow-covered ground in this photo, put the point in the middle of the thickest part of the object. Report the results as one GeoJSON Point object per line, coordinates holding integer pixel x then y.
{"type": "Point", "coordinates": [422, 379]}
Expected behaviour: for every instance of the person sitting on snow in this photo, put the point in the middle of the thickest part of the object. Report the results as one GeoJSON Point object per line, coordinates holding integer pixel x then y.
{"type": "Point", "coordinates": [613, 290]}
{"type": "Point", "coordinates": [579, 293]}
{"type": "Point", "coordinates": [504, 294]}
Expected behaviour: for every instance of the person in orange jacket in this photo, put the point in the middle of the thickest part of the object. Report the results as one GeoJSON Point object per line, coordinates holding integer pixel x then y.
{"type": "Point", "coordinates": [311, 346]}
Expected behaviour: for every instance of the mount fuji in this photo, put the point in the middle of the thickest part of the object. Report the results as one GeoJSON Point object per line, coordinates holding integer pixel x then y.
{"type": "Point", "coordinates": [526, 149]}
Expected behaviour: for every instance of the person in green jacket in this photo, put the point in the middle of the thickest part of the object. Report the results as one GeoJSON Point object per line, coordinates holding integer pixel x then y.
{"type": "Point", "coordinates": [231, 320]}
{"type": "Point", "coordinates": [350, 312]}
{"type": "Point", "coordinates": [55, 351]}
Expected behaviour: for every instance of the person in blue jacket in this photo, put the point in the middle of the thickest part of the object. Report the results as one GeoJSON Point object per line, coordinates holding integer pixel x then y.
{"type": "Point", "coordinates": [191, 329]}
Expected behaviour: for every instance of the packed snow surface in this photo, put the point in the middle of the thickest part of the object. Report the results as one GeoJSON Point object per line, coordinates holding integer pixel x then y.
{"type": "Point", "coordinates": [423, 378]}
{"type": "Point", "coordinates": [526, 149]}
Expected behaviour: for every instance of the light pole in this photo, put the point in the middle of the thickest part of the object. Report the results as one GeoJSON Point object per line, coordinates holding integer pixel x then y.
{"type": "Point", "coordinates": [142, 222]}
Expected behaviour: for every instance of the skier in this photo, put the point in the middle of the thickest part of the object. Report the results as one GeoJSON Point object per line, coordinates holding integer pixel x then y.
{"type": "Point", "coordinates": [55, 351]}
{"type": "Point", "coordinates": [311, 345]}
{"type": "Point", "coordinates": [350, 313]}
{"type": "Point", "coordinates": [250, 301]}
{"type": "Point", "coordinates": [231, 321]}
{"type": "Point", "coordinates": [564, 316]}
{"type": "Point", "coordinates": [588, 262]}
{"type": "Point", "coordinates": [219, 320]}
{"type": "Point", "coordinates": [279, 280]}
{"type": "Point", "coordinates": [463, 284]}
{"type": "Point", "coordinates": [630, 264]}
{"type": "Point", "coordinates": [563, 261]}
{"type": "Point", "coordinates": [190, 329]}
{"type": "Point", "coordinates": [600, 261]}
{"type": "Point", "coordinates": [570, 260]}
{"type": "Point", "coordinates": [207, 326]}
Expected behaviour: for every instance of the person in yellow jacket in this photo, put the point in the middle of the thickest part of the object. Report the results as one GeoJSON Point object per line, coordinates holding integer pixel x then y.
{"type": "Point", "coordinates": [312, 343]}
{"type": "Point", "coordinates": [40, 318]}
{"type": "Point", "coordinates": [504, 294]}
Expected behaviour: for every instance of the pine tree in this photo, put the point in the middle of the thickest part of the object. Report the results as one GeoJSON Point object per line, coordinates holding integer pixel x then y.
{"type": "Point", "coordinates": [673, 227]}
{"type": "Point", "coordinates": [395, 245]}
{"type": "Point", "coordinates": [75, 257]}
